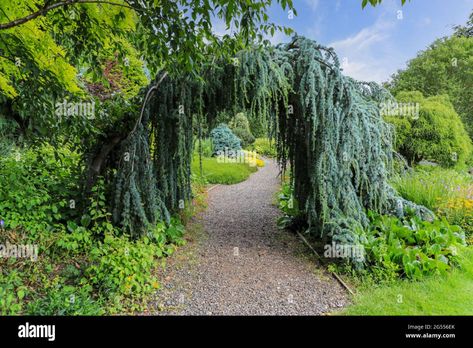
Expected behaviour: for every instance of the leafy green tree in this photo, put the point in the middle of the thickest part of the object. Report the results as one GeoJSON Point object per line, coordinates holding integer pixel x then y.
{"type": "Point", "coordinates": [47, 35]}
{"type": "Point", "coordinates": [51, 51]}
{"type": "Point", "coordinates": [465, 30]}
{"type": "Point", "coordinates": [436, 133]}
{"type": "Point", "coordinates": [46, 46]}
{"type": "Point", "coordinates": [446, 67]}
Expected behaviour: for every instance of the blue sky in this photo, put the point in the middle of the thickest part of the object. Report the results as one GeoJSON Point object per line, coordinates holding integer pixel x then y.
{"type": "Point", "coordinates": [373, 43]}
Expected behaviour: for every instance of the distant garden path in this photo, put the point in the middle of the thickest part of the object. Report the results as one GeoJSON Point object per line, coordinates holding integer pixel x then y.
{"type": "Point", "coordinates": [239, 262]}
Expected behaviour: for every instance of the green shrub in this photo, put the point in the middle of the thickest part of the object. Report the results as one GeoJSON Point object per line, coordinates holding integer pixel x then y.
{"type": "Point", "coordinates": [123, 266]}
{"type": "Point", "coordinates": [97, 217]}
{"type": "Point", "coordinates": [390, 247]}
{"type": "Point", "coordinates": [241, 128]}
{"type": "Point", "coordinates": [12, 292]}
{"type": "Point", "coordinates": [35, 187]}
{"type": "Point", "coordinates": [64, 299]}
{"type": "Point", "coordinates": [77, 241]}
{"type": "Point", "coordinates": [264, 147]}
{"type": "Point", "coordinates": [223, 117]}
{"type": "Point", "coordinates": [288, 205]}
{"type": "Point", "coordinates": [223, 140]}
{"type": "Point", "coordinates": [411, 247]}
{"type": "Point", "coordinates": [83, 268]}
{"type": "Point", "coordinates": [437, 134]}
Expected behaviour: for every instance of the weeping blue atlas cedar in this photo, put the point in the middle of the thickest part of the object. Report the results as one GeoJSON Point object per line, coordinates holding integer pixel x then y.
{"type": "Point", "coordinates": [329, 135]}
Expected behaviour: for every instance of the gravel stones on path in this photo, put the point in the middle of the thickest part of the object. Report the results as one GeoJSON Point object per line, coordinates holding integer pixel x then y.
{"type": "Point", "coordinates": [239, 263]}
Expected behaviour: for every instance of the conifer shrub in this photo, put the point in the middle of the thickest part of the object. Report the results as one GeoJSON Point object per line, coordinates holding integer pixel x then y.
{"type": "Point", "coordinates": [223, 140]}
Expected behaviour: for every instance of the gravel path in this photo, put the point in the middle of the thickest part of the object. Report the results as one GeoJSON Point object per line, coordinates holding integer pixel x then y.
{"type": "Point", "coordinates": [239, 263]}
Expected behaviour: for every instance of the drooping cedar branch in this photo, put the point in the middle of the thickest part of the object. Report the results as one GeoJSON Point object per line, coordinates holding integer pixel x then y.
{"type": "Point", "coordinates": [328, 129]}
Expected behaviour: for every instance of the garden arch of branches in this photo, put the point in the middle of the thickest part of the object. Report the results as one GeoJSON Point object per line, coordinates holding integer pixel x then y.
{"type": "Point", "coordinates": [329, 134]}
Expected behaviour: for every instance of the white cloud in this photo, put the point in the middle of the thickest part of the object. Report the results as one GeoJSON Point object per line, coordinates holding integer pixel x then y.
{"type": "Point", "coordinates": [364, 39]}
{"type": "Point", "coordinates": [368, 54]}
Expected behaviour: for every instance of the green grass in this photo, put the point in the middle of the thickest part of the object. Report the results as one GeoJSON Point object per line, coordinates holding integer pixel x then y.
{"type": "Point", "coordinates": [435, 295]}
{"type": "Point", "coordinates": [430, 186]}
{"type": "Point", "coordinates": [222, 173]}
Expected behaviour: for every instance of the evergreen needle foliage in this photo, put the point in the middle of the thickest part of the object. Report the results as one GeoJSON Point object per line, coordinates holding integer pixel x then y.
{"type": "Point", "coordinates": [138, 203]}
{"type": "Point", "coordinates": [328, 128]}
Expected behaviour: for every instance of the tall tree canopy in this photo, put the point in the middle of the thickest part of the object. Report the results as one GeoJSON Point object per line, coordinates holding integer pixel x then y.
{"type": "Point", "coordinates": [445, 67]}
{"type": "Point", "coordinates": [51, 50]}
{"type": "Point", "coordinates": [327, 126]}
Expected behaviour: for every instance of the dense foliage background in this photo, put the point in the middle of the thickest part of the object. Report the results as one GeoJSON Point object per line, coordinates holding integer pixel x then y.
{"type": "Point", "coordinates": [104, 223]}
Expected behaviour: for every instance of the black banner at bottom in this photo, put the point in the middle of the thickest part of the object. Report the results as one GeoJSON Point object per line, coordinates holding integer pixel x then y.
{"type": "Point", "coordinates": [62, 331]}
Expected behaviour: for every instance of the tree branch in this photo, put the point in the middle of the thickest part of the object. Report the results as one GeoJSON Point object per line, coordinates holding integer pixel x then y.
{"type": "Point", "coordinates": [48, 8]}
{"type": "Point", "coordinates": [145, 100]}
